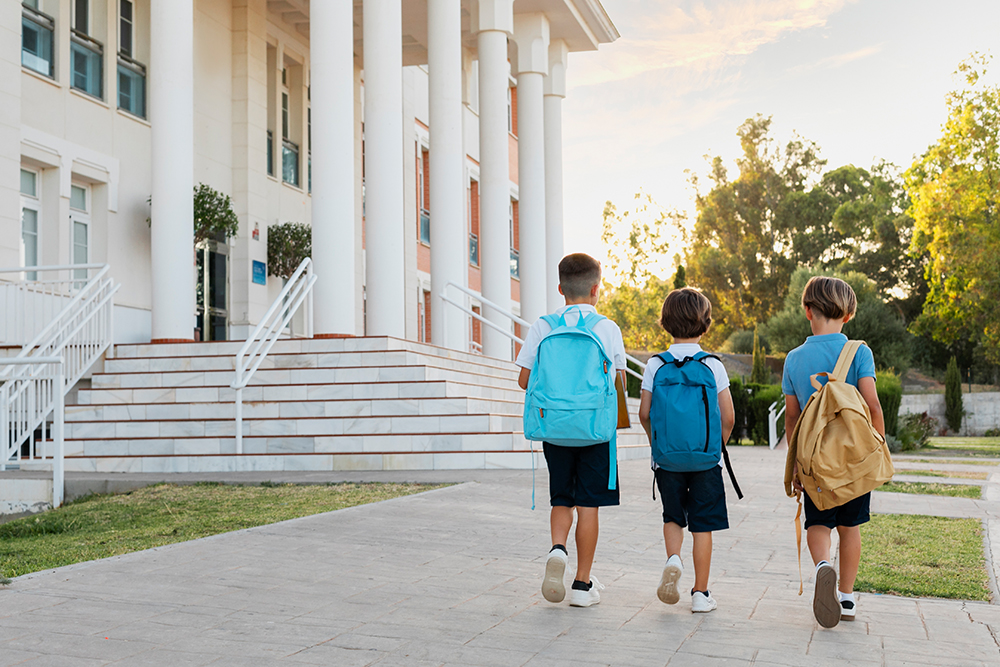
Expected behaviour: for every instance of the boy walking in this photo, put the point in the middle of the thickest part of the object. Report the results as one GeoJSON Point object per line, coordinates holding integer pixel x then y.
{"type": "Point", "coordinates": [689, 477]}
{"type": "Point", "coordinates": [578, 475]}
{"type": "Point", "coordinates": [829, 304]}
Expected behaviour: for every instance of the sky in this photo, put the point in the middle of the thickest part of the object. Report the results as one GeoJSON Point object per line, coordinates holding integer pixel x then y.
{"type": "Point", "coordinates": [864, 79]}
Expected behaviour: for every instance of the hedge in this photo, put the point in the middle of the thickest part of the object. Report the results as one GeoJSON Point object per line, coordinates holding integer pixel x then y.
{"type": "Point", "coordinates": [890, 394]}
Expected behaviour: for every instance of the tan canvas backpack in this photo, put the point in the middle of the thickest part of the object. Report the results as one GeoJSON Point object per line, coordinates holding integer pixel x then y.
{"type": "Point", "coordinates": [840, 454]}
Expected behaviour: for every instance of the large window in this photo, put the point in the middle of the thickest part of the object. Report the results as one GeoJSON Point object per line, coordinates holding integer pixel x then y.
{"type": "Point", "coordinates": [86, 53]}
{"type": "Point", "coordinates": [515, 257]}
{"type": "Point", "coordinates": [36, 39]}
{"type": "Point", "coordinates": [289, 149]}
{"type": "Point", "coordinates": [131, 73]}
{"type": "Point", "coordinates": [30, 216]}
{"type": "Point", "coordinates": [79, 205]}
{"type": "Point", "coordinates": [423, 196]}
{"type": "Point", "coordinates": [474, 223]}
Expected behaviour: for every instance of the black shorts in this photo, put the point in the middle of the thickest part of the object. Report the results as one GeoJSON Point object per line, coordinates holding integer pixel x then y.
{"type": "Point", "coordinates": [578, 476]}
{"type": "Point", "coordinates": [693, 499]}
{"type": "Point", "coordinates": [852, 513]}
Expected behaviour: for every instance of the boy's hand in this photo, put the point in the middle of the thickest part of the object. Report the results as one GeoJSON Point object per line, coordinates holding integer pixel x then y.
{"type": "Point", "coordinates": [796, 484]}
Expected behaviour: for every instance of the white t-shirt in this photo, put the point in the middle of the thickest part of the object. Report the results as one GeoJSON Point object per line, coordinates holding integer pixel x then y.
{"type": "Point", "coordinates": [679, 351]}
{"type": "Point", "coordinates": [606, 330]}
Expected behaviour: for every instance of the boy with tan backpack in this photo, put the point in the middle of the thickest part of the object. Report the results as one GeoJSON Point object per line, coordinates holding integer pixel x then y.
{"type": "Point", "coordinates": [836, 448]}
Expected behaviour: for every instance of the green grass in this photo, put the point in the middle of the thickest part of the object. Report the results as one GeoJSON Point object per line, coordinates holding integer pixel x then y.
{"type": "Point", "coordinates": [950, 473]}
{"type": "Point", "coordinates": [967, 446]}
{"type": "Point", "coordinates": [110, 525]}
{"type": "Point", "coordinates": [923, 556]}
{"type": "Point", "coordinates": [963, 462]}
{"type": "Point", "coordinates": [934, 489]}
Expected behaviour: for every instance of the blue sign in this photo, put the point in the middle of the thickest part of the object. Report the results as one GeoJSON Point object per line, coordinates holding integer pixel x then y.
{"type": "Point", "coordinates": [259, 273]}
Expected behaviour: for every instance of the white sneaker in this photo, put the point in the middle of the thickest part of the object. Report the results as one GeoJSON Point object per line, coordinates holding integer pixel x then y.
{"type": "Point", "coordinates": [553, 588]}
{"type": "Point", "coordinates": [667, 590]}
{"type": "Point", "coordinates": [702, 603]}
{"type": "Point", "coordinates": [826, 603]}
{"type": "Point", "coordinates": [578, 598]}
{"type": "Point", "coordinates": [848, 609]}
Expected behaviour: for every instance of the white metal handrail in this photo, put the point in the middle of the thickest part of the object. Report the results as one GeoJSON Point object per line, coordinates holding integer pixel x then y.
{"type": "Point", "coordinates": [297, 290]}
{"type": "Point", "coordinates": [79, 332]}
{"type": "Point", "coordinates": [511, 316]}
{"type": "Point", "coordinates": [44, 387]}
{"type": "Point", "coordinates": [773, 414]}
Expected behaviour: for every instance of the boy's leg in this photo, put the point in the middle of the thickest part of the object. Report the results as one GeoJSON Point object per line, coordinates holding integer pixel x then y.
{"type": "Point", "coordinates": [826, 602]}
{"type": "Point", "coordinates": [850, 556]}
{"type": "Point", "coordinates": [560, 522]}
{"type": "Point", "coordinates": [673, 538]}
{"type": "Point", "coordinates": [561, 462]}
{"type": "Point", "coordinates": [818, 539]}
{"type": "Point", "coordinates": [587, 530]}
{"type": "Point", "coordinates": [702, 557]}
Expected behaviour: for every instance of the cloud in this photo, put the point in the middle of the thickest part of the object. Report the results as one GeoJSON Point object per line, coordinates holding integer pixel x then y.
{"type": "Point", "coordinates": [832, 62]}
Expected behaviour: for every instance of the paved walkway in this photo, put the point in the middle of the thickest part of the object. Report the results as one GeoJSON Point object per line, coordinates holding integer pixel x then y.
{"type": "Point", "coordinates": [451, 577]}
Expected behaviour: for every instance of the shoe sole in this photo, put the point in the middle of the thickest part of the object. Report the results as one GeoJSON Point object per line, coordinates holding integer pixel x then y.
{"type": "Point", "coordinates": [702, 611]}
{"type": "Point", "coordinates": [826, 606]}
{"type": "Point", "coordinates": [589, 602]}
{"type": "Point", "coordinates": [667, 591]}
{"type": "Point", "coordinates": [553, 588]}
{"type": "Point", "coordinates": [845, 617]}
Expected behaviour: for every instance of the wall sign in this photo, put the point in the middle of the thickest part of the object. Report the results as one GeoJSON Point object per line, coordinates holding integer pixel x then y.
{"type": "Point", "coordinates": [259, 273]}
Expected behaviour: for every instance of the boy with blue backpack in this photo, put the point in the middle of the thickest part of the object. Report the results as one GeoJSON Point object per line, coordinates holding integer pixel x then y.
{"type": "Point", "coordinates": [568, 364]}
{"type": "Point", "coordinates": [687, 411]}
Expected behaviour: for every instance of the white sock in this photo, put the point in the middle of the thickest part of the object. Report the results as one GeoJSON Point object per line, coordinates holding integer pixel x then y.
{"type": "Point", "coordinates": [846, 596]}
{"type": "Point", "coordinates": [820, 564]}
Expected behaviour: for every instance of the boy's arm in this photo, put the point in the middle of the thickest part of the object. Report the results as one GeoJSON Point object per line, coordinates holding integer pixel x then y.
{"type": "Point", "coordinates": [728, 413]}
{"type": "Point", "coordinates": [867, 388]}
{"type": "Point", "coordinates": [522, 379]}
{"type": "Point", "coordinates": [792, 414]}
{"type": "Point", "coordinates": [645, 401]}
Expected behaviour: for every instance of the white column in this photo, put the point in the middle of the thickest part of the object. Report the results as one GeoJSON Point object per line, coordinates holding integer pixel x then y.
{"type": "Point", "coordinates": [496, 22]}
{"type": "Point", "coordinates": [449, 242]}
{"type": "Point", "coordinates": [332, 93]}
{"type": "Point", "coordinates": [555, 91]}
{"type": "Point", "coordinates": [384, 275]}
{"type": "Point", "coordinates": [171, 115]}
{"type": "Point", "coordinates": [531, 32]}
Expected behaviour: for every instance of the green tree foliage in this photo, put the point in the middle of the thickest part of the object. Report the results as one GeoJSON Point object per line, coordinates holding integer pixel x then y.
{"type": "Point", "coordinates": [954, 187]}
{"type": "Point", "coordinates": [680, 277]}
{"type": "Point", "coordinates": [737, 248]}
{"type": "Point", "coordinates": [288, 244]}
{"type": "Point", "coordinates": [214, 217]}
{"type": "Point", "coordinates": [742, 342]}
{"type": "Point", "coordinates": [890, 394]}
{"type": "Point", "coordinates": [875, 322]}
{"type": "Point", "coordinates": [759, 373]}
{"type": "Point", "coordinates": [632, 295]}
{"type": "Point", "coordinates": [953, 407]}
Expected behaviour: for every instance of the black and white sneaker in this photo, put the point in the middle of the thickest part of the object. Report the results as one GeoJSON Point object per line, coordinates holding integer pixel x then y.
{"type": "Point", "coordinates": [826, 602]}
{"type": "Point", "coordinates": [553, 587]}
{"type": "Point", "coordinates": [848, 609]}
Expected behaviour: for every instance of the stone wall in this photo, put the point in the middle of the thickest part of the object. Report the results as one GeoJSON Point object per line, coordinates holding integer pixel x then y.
{"type": "Point", "coordinates": [982, 410]}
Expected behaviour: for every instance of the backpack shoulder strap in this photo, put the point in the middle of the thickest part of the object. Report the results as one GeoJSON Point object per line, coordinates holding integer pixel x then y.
{"type": "Point", "coordinates": [701, 356]}
{"type": "Point", "coordinates": [552, 321]}
{"type": "Point", "coordinates": [590, 321]}
{"type": "Point", "coordinates": [845, 360]}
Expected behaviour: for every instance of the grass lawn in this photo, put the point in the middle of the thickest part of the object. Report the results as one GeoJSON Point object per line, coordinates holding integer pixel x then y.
{"type": "Point", "coordinates": [967, 446]}
{"type": "Point", "coordinates": [110, 525]}
{"type": "Point", "coordinates": [934, 489]}
{"type": "Point", "coordinates": [950, 473]}
{"type": "Point", "coordinates": [963, 462]}
{"type": "Point", "coordinates": [923, 556]}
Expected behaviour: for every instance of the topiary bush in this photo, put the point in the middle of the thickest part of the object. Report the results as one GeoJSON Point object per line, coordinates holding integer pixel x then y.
{"type": "Point", "coordinates": [953, 409]}
{"type": "Point", "coordinates": [890, 395]}
{"type": "Point", "coordinates": [759, 374]}
{"type": "Point", "coordinates": [214, 217]}
{"type": "Point", "coordinates": [759, 402]}
{"type": "Point", "coordinates": [741, 400]}
{"type": "Point", "coordinates": [288, 244]}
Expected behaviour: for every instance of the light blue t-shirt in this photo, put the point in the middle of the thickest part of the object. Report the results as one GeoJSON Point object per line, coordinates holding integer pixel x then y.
{"type": "Point", "coordinates": [819, 354]}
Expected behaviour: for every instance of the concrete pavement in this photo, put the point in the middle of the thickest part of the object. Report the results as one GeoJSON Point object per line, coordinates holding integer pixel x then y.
{"type": "Point", "coordinates": [451, 577]}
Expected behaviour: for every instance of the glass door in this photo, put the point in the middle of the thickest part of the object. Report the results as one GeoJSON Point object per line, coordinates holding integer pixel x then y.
{"type": "Point", "coordinates": [213, 283]}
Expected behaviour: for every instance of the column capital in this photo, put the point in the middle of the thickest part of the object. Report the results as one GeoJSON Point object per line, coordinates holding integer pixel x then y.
{"type": "Point", "coordinates": [555, 82]}
{"type": "Point", "coordinates": [531, 33]}
{"type": "Point", "coordinates": [492, 15]}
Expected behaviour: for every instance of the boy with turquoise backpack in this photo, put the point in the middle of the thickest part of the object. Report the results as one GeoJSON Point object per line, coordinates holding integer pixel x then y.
{"type": "Point", "coordinates": [568, 365]}
{"type": "Point", "coordinates": [687, 411]}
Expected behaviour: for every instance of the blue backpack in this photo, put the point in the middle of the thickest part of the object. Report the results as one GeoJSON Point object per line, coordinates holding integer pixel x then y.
{"type": "Point", "coordinates": [571, 399]}
{"type": "Point", "coordinates": [685, 419]}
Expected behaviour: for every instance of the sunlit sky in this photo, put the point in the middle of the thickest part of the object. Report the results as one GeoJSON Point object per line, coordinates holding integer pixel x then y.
{"type": "Point", "coordinates": [865, 79]}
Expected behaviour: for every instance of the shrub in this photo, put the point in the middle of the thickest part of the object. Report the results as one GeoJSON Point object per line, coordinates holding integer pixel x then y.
{"type": "Point", "coordinates": [741, 342]}
{"type": "Point", "coordinates": [214, 217]}
{"type": "Point", "coordinates": [890, 394]}
{"type": "Point", "coordinates": [992, 433]}
{"type": "Point", "coordinates": [953, 410]}
{"type": "Point", "coordinates": [740, 402]}
{"type": "Point", "coordinates": [633, 385]}
{"type": "Point", "coordinates": [288, 244]}
{"type": "Point", "coordinates": [915, 430]}
{"type": "Point", "coordinates": [759, 373]}
{"type": "Point", "coordinates": [893, 443]}
{"type": "Point", "coordinates": [762, 396]}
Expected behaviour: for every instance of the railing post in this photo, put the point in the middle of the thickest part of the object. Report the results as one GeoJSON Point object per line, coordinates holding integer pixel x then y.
{"type": "Point", "coordinates": [309, 302]}
{"type": "Point", "coordinates": [239, 421]}
{"type": "Point", "coordinates": [111, 329]}
{"type": "Point", "coordinates": [58, 470]}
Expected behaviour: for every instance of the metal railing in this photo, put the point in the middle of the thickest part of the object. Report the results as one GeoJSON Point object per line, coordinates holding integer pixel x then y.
{"type": "Point", "coordinates": [774, 413]}
{"type": "Point", "coordinates": [509, 315]}
{"type": "Point", "coordinates": [22, 395]}
{"type": "Point", "coordinates": [71, 319]}
{"type": "Point", "coordinates": [297, 290]}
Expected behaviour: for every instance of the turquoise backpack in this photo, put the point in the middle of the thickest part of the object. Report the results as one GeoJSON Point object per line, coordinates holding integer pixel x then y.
{"type": "Point", "coordinates": [571, 399]}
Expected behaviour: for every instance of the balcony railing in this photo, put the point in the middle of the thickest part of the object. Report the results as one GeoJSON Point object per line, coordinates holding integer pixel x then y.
{"type": "Point", "coordinates": [289, 162]}
{"type": "Point", "coordinates": [87, 64]}
{"type": "Point", "coordinates": [425, 227]}
{"type": "Point", "coordinates": [515, 264]}
{"type": "Point", "coordinates": [36, 41]}
{"type": "Point", "coordinates": [131, 86]}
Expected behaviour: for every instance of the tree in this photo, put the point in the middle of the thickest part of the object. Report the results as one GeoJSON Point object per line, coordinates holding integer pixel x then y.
{"type": "Point", "coordinates": [953, 408]}
{"type": "Point", "coordinates": [288, 244]}
{"type": "Point", "coordinates": [737, 252]}
{"type": "Point", "coordinates": [759, 373]}
{"type": "Point", "coordinates": [214, 217]}
{"type": "Point", "coordinates": [954, 188]}
{"type": "Point", "coordinates": [680, 276]}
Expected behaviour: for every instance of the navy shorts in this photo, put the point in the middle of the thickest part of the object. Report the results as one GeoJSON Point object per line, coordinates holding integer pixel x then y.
{"type": "Point", "coordinates": [693, 499]}
{"type": "Point", "coordinates": [578, 476]}
{"type": "Point", "coordinates": [852, 513]}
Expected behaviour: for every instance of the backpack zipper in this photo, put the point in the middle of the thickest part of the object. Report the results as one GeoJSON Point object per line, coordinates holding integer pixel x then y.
{"type": "Point", "coordinates": [708, 424]}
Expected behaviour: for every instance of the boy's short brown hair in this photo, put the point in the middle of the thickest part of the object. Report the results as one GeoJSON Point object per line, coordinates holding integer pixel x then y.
{"type": "Point", "coordinates": [578, 273]}
{"type": "Point", "coordinates": [830, 297]}
{"type": "Point", "coordinates": [687, 313]}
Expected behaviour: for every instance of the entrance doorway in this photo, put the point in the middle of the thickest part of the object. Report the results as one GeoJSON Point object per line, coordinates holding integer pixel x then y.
{"type": "Point", "coordinates": [212, 289]}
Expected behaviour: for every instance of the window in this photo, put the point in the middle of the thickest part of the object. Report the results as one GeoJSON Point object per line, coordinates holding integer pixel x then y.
{"type": "Point", "coordinates": [515, 259]}
{"type": "Point", "coordinates": [131, 73]}
{"type": "Point", "coordinates": [81, 16]}
{"type": "Point", "coordinates": [87, 64]}
{"type": "Point", "coordinates": [510, 110]}
{"type": "Point", "coordinates": [270, 153]}
{"type": "Point", "coordinates": [36, 39]}
{"type": "Point", "coordinates": [423, 196]}
{"type": "Point", "coordinates": [30, 214]}
{"type": "Point", "coordinates": [474, 223]}
{"type": "Point", "coordinates": [79, 201]}
{"type": "Point", "coordinates": [289, 150]}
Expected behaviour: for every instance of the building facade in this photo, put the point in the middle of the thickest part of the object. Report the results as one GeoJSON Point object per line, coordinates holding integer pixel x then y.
{"type": "Point", "coordinates": [420, 139]}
